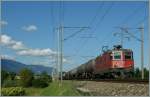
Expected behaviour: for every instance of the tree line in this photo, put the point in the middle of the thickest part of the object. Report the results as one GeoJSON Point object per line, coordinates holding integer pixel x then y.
{"type": "Point", "coordinates": [25, 78]}
{"type": "Point", "coordinates": [137, 73]}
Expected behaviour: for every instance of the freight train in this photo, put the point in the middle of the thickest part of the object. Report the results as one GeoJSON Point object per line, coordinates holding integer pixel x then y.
{"type": "Point", "coordinates": [115, 63]}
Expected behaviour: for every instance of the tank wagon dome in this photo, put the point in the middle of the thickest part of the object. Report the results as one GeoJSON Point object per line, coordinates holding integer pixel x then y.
{"type": "Point", "coordinates": [73, 71]}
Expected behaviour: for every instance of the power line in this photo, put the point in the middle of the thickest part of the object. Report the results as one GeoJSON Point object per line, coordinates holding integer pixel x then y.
{"type": "Point", "coordinates": [127, 19]}
{"type": "Point", "coordinates": [97, 13]}
{"type": "Point", "coordinates": [82, 28]}
{"type": "Point", "coordinates": [101, 19]}
{"type": "Point", "coordinates": [132, 14]}
{"type": "Point", "coordinates": [142, 20]}
{"type": "Point", "coordinates": [82, 46]}
{"type": "Point", "coordinates": [72, 35]}
{"type": "Point", "coordinates": [126, 31]}
{"type": "Point", "coordinates": [103, 16]}
{"type": "Point", "coordinates": [90, 23]}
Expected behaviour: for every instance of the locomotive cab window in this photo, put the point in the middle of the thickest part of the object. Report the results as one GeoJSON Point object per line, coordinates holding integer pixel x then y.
{"type": "Point", "coordinates": [128, 55]}
{"type": "Point", "coordinates": [111, 56]}
{"type": "Point", "coordinates": [117, 55]}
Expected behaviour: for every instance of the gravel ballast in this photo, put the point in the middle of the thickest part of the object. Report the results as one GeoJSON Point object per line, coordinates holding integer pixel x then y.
{"type": "Point", "coordinates": [114, 89]}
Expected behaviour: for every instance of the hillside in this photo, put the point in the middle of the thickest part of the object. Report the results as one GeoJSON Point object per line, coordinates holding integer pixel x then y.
{"type": "Point", "coordinates": [14, 66]}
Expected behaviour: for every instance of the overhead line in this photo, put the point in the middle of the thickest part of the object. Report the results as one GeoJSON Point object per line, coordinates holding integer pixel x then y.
{"type": "Point", "coordinates": [145, 17]}
{"type": "Point", "coordinates": [126, 19]}
{"type": "Point", "coordinates": [103, 16]}
{"type": "Point", "coordinates": [72, 35]}
{"type": "Point", "coordinates": [101, 19]}
{"type": "Point", "coordinates": [97, 13]}
{"type": "Point", "coordinates": [90, 23]}
{"type": "Point", "coordinates": [132, 14]}
{"type": "Point", "coordinates": [132, 35]}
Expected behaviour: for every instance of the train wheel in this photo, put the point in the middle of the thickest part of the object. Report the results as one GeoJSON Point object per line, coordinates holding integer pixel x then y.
{"type": "Point", "coordinates": [122, 75]}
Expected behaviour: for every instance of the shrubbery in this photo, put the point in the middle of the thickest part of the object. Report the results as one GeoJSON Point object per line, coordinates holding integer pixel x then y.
{"type": "Point", "coordinates": [45, 77]}
{"type": "Point", "coordinates": [13, 91]}
{"type": "Point", "coordinates": [4, 75]}
{"type": "Point", "coordinates": [137, 73]}
{"type": "Point", "coordinates": [26, 77]}
{"type": "Point", "coordinates": [39, 83]}
{"type": "Point", "coordinates": [10, 83]}
{"type": "Point", "coordinates": [12, 75]}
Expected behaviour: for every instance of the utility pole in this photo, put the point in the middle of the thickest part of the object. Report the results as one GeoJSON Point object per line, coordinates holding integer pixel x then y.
{"type": "Point", "coordinates": [61, 52]}
{"type": "Point", "coordinates": [142, 46]}
{"type": "Point", "coordinates": [142, 50]}
{"type": "Point", "coordinates": [58, 55]}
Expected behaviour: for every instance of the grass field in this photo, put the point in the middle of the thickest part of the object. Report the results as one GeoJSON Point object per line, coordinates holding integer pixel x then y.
{"type": "Point", "coordinates": [54, 89]}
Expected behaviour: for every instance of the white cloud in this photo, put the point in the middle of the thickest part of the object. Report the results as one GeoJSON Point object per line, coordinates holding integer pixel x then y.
{"type": "Point", "coordinates": [18, 46]}
{"type": "Point", "coordinates": [7, 57]}
{"type": "Point", "coordinates": [30, 28]}
{"type": "Point", "coordinates": [6, 40]}
{"type": "Point", "coordinates": [22, 50]}
{"type": "Point", "coordinates": [3, 23]}
{"type": "Point", "coordinates": [9, 42]}
{"type": "Point", "coordinates": [37, 52]}
{"type": "Point", "coordinates": [65, 60]}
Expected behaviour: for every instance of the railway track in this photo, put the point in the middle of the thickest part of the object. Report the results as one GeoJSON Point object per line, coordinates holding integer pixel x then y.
{"type": "Point", "coordinates": [125, 81]}
{"type": "Point", "coordinates": [133, 81]}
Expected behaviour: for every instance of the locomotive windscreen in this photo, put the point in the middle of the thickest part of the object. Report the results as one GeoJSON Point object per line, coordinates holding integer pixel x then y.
{"type": "Point", "coordinates": [128, 55]}
{"type": "Point", "coordinates": [117, 55]}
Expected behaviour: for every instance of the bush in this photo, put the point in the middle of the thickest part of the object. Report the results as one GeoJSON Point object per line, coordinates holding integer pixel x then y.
{"type": "Point", "coordinates": [39, 83]}
{"type": "Point", "coordinates": [10, 83]}
{"type": "Point", "coordinates": [26, 77]}
{"type": "Point", "coordinates": [146, 73]}
{"type": "Point", "coordinates": [13, 91]}
{"type": "Point", "coordinates": [4, 76]}
{"type": "Point", "coordinates": [12, 75]}
{"type": "Point", "coordinates": [45, 77]}
{"type": "Point", "coordinates": [137, 73]}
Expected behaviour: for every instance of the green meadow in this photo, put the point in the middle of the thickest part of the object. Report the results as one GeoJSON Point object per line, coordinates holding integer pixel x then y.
{"type": "Point", "coordinates": [54, 89]}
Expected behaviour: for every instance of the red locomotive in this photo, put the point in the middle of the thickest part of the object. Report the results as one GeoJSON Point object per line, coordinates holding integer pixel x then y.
{"type": "Point", "coordinates": [114, 63]}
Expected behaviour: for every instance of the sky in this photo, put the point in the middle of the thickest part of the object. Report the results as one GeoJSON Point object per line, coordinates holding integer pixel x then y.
{"type": "Point", "coordinates": [29, 30]}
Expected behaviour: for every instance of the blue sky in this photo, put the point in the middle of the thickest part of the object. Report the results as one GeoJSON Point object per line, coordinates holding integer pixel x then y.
{"type": "Point", "coordinates": [33, 23]}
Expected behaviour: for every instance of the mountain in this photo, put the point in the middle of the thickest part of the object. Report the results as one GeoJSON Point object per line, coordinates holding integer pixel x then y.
{"type": "Point", "coordinates": [14, 66]}
{"type": "Point", "coordinates": [39, 68]}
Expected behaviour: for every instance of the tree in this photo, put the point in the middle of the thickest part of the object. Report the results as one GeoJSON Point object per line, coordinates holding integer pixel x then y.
{"type": "Point", "coordinates": [26, 77]}
{"type": "Point", "coordinates": [45, 77]}
{"type": "Point", "coordinates": [137, 73]}
{"type": "Point", "coordinates": [12, 75]}
{"type": "Point", "coordinates": [39, 83]}
{"type": "Point", "coordinates": [146, 73]}
{"type": "Point", "coordinates": [4, 75]}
